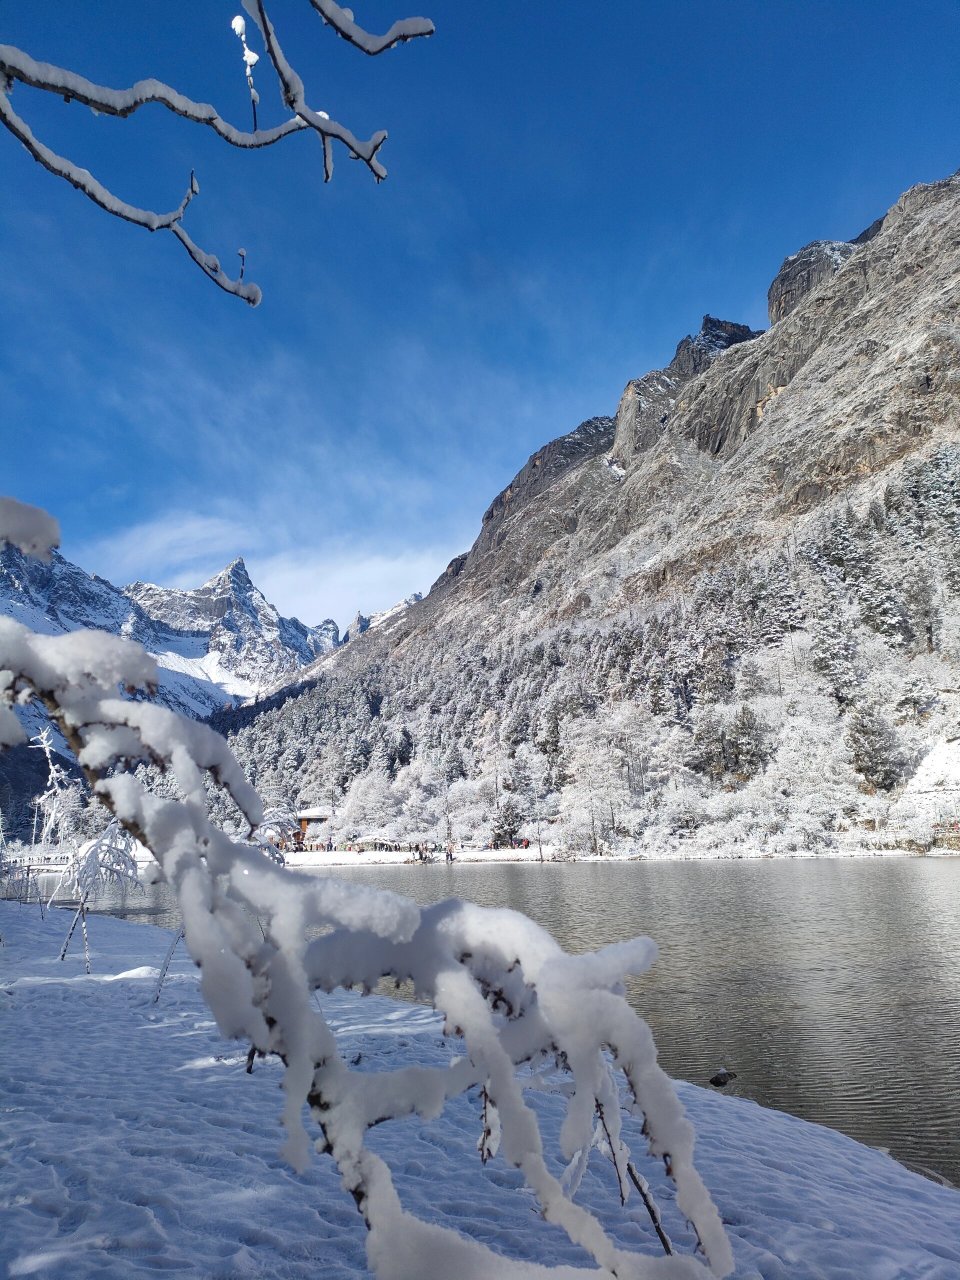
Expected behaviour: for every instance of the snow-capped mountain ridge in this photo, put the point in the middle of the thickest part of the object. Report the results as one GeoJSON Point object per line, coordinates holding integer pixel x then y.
{"type": "Point", "coordinates": [363, 622]}
{"type": "Point", "coordinates": [237, 617]}
{"type": "Point", "coordinates": [214, 645]}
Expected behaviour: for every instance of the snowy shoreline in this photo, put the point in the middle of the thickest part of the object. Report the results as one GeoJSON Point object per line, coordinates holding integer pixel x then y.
{"type": "Point", "coordinates": [313, 860]}
{"type": "Point", "coordinates": [134, 1140]}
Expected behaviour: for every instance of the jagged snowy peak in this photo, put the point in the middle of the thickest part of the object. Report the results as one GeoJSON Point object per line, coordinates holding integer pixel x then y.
{"type": "Point", "coordinates": [58, 596]}
{"type": "Point", "coordinates": [214, 645]}
{"type": "Point", "coordinates": [238, 619]}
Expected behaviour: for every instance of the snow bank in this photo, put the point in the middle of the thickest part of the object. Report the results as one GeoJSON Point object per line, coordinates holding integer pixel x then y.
{"type": "Point", "coordinates": [134, 1141]}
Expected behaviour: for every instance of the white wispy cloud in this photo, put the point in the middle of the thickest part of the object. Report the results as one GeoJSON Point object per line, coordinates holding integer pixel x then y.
{"type": "Point", "coordinates": [180, 548]}
{"type": "Point", "coordinates": [336, 503]}
{"type": "Point", "coordinates": [336, 583]}
{"type": "Point", "coordinates": [329, 579]}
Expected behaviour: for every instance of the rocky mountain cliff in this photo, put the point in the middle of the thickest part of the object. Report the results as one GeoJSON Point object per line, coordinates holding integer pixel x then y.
{"type": "Point", "coordinates": [214, 645]}
{"type": "Point", "coordinates": [741, 432]}
{"type": "Point", "coordinates": [729, 612]}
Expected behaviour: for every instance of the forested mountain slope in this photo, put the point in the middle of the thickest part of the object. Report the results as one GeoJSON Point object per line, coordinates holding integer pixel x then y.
{"type": "Point", "coordinates": [726, 618]}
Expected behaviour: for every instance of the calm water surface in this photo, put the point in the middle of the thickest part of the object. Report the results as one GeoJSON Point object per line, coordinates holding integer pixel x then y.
{"type": "Point", "coordinates": [832, 988]}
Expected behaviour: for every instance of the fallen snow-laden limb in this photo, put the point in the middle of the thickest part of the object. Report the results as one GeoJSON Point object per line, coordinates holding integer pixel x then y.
{"type": "Point", "coordinates": [501, 982]}
{"type": "Point", "coordinates": [17, 67]}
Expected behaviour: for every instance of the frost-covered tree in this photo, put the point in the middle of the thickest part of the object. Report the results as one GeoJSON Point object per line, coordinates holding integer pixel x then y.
{"type": "Point", "coordinates": [835, 653]}
{"type": "Point", "coordinates": [875, 746]}
{"type": "Point", "coordinates": [509, 820]}
{"type": "Point", "coordinates": [709, 751]}
{"type": "Point", "coordinates": [60, 807]}
{"type": "Point", "coordinates": [453, 767]}
{"type": "Point", "coordinates": [18, 71]}
{"type": "Point", "coordinates": [748, 740]}
{"type": "Point", "coordinates": [919, 698]}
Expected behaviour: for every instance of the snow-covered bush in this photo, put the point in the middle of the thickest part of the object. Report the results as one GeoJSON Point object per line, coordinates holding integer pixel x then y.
{"type": "Point", "coordinates": [265, 940]}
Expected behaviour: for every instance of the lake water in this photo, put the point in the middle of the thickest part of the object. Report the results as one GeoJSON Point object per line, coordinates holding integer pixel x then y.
{"type": "Point", "coordinates": [832, 988]}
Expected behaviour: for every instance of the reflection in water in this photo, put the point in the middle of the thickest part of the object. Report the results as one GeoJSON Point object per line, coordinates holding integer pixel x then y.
{"type": "Point", "coordinates": [832, 988]}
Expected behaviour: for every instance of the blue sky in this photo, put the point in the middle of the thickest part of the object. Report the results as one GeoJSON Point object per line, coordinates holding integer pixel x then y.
{"type": "Point", "coordinates": [571, 188]}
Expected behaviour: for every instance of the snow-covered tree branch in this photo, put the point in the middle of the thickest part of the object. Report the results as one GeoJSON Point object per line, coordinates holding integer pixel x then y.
{"type": "Point", "coordinates": [17, 68]}
{"type": "Point", "coordinates": [523, 1013]}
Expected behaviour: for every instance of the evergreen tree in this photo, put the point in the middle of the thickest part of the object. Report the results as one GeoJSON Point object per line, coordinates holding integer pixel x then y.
{"type": "Point", "coordinates": [399, 742]}
{"type": "Point", "coordinates": [833, 652]}
{"type": "Point", "coordinates": [453, 767]}
{"type": "Point", "coordinates": [874, 746]}
{"type": "Point", "coordinates": [748, 742]}
{"type": "Point", "coordinates": [715, 673]}
{"type": "Point", "coordinates": [750, 682]}
{"type": "Point", "coordinates": [381, 761]}
{"type": "Point", "coordinates": [920, 591]}
{"type": "Point", "coordinates": [709, 751]}
{"type": "Point", "coordinates": [919, 697]}
{"type": "Point", "coordinates": [509, 819]}
{"type": "Point", "coordinates": [882, 608]}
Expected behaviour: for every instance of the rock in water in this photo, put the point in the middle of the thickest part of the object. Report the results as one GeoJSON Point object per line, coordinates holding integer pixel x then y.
{"type": "Point", "coordinates": [722, 1078]}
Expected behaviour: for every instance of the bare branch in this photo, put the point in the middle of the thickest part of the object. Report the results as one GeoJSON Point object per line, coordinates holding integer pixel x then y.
{"type": "Point", "coordinates": [294, 96]}
{"type": "Point", "coordinates": [211, 268]}
{"type": "Point", "coordinates": [18, 67]}
{"type": "Point", "coordinates": [84, 181]}
{"type": "Point", "coordinates": [120, 103]}
{"type": "Point", "coordinates": [344, 25]}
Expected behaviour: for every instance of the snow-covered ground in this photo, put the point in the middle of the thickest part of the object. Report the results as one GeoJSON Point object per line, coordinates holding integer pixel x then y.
{"type": "Point", "coordinates": [133, 1142]}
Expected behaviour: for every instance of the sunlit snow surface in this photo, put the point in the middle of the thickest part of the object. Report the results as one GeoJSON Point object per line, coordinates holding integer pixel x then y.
{"type": "Point", "coordinates": [134, 1143]}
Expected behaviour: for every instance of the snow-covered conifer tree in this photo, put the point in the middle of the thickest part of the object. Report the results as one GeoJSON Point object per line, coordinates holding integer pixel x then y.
{"type": "Point", "coordinates": [709, 750]}
{"type": "Point", "coordinates": [453, 767]}
{"type": "Point", "coordinates": [834, 651]}
{"type": "Point", "coordinates": [748, 739]}
{"type": "Point", "coordinates": [875, 746]}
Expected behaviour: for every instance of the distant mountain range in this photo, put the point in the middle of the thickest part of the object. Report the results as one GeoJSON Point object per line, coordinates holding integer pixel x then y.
{"type": "Point", "coordinates": [219, 644]}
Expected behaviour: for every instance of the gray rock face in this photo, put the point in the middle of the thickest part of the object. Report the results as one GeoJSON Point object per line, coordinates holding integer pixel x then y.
{"type": "Point", "coordinates": [722, 453]}
{"type": "Point", "coordinates": [803, 271]}
{"type": "Point", "coordinates": [542, 468]}
{"type": "Point", "coordinates": [357, 627]}
{"type": "Point", "coordinates": [647, 402]}
{"type": "Point", "coordinates": [453, 570]}
{"type": "Point", "coordinates": [695, 354]}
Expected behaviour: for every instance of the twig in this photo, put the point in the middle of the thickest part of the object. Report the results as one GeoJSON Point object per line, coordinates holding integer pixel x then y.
{"type": "Point", "coordinates": [646, 1195]}
{"type": "Point", "coordinates": [166, 965]}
